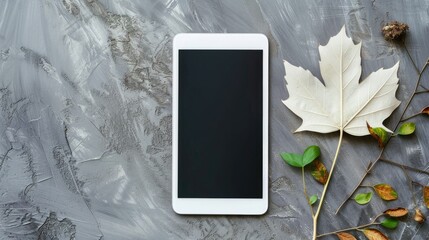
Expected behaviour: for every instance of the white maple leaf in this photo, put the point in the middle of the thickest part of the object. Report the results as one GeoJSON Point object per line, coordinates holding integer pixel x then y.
{"type": "Point", "coordinates": [342, 103]}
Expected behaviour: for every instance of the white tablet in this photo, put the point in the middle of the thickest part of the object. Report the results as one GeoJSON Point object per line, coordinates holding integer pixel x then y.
{"type": "Point", "coordinates": [220, 124]}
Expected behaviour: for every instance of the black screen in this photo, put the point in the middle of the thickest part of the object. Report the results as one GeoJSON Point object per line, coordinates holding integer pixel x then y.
{"type": "Point", "coordinates": [220, 124]}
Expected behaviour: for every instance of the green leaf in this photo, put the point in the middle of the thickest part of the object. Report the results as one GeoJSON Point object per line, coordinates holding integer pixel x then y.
{"type": "Point", "coordinates": [407, 128]}
{"type": "Point", "coordinates": [310, 154]}
{"type": "Point", "coordinates": [363, 198]}
{"type": "Point", "coordinates": [389, 223]}
{"type": "Point", "coordinates": [298, 160]}
{"type": "Point", "coordinates": [292, 159]}
{"type": "Point", "coordinates": [379, 134]}
{"type": "Point", "coordinates": [313, 199]}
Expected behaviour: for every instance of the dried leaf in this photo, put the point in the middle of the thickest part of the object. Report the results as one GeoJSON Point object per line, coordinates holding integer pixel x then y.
{"type": "Point", "coordinates": [345, 236]}
{"type": "Point", "coordinates": [374, 234]}
{"type": "Point", "coordinates": [379, 134]}
{"type": "Point", "coordinates": [313, 199]}
{"type": "Point", "coordinates": [319, 172]}
{"type": "Point", "coordinates": [342, 103]}
{"type": "Point", "coordinates": [396, 212]}
{"type": "Point", "coordinates": [407, 128]}
{"type": "Point", "coordinates": [418, 216]}
{"type": "Point", "coordinates": [390, 223]}
{"type": "Point", "coordinates": [363, 198]}
{"type": "Point", "coordinates": [426, 195]}
{"type": "Point", "coordinates": [425, 110]}
{"type": "Point", "coordinates": [386, 192]}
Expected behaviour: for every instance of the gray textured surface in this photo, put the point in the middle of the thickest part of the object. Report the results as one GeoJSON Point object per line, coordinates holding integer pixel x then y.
{"type": "Point", "coordinates": [85, 96]}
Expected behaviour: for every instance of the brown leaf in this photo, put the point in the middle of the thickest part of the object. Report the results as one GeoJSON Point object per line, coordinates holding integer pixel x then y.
{"type": "Point", "coordinates": [425, 110]}
{"type": "Point", "coordinates": [345, 236]}
{"type": "Point", "coordinates": [396, 212]}
{"type": "Point", "coordinates": [319, 172]}
{"type": "Point", "coordinates": [379, 134]}
{"type": "Point", "coordinates": [374, 234]}
{"type": "Point", "coordinates": [426, 195]}
{"type": "Point", "coordinates": [418, 216]}
{"type": "Point", "coordinates": [386, 192]}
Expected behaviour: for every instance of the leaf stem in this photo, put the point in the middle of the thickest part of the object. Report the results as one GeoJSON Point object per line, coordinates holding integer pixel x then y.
{"type": "Point", "coordinates": [305, 191]}
{"type": "Point", "coordinates": [422, 91]}
{"type": "Point", "coordinates": [404, 166]}
{"type": "Point", "coordinates": [354, 228]}
{"type": "Point", "coordinates": [417, 183]}
{"type": "Point", "coordinates": [371, 165]}
{"type": "Point", "coordinates": [409, 55]}
{"type": "Point", "coordinates": [316, 216]}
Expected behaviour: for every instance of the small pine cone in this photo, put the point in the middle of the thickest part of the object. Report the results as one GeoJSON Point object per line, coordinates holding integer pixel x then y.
{"type": "Point", "coordinates": [394, 31]}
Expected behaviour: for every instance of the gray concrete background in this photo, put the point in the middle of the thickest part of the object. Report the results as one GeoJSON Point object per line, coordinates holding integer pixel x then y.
{"type": "Point", "coordinates": [85, 96]}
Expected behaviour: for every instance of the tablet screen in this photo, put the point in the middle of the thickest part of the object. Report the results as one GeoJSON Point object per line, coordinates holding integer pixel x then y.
{"type": "Point", "coordinates": [220, 117]}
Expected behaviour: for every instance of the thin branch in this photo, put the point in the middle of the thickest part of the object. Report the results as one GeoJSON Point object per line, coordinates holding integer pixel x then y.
{"type": "Point", "coordinates": [305, 191]}
{"type": "Point", "coordinates": [422, 91]}
{"type": "Point", "coordinates": [407, 118]}
{"type": "Point", "coordinates": [409, 55]}
{"type": "Point", "coordinates": [388, 140]}
{"type": "Point", "coordinates": [354, 228]}
{"type": "Point", "coordinates": [417, 183]}
{"type": "Point", "coordinates": [404, 166]}
{"type": "Point", "coordinates": [368, 169]}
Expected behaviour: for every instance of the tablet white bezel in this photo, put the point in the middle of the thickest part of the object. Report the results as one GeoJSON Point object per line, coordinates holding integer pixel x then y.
{"type": "Point", "coordinates": [220, 206]}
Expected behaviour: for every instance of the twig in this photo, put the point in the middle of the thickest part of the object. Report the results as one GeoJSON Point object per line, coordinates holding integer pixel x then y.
{"type": "Point", "coordinates": [409, 55]}
{"type": "Point", "coordinates": [305, 192]}
{"type": "Point", "coordinates": [422, 91]}
{"type": "Point", "coordinates": [354, 228]}
{"type": "Point", "coordinates": [407, 118]}
{"type": "Point", "coordinates": [404, 166]}
{"type": "Point", "coordinates": [388, 140]}
{"type": "Point", "coordinates": [417, 183]}
{"type": "Point", "coordinates": [368, 169]}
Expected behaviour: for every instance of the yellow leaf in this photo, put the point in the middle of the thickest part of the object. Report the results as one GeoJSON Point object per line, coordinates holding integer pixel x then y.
{"type": "Point", "coordinates": [374, 234]}
{"type": "Point", "coordinates": [345, 236]}
{"type": "Point", "coordinates": [386, 192]}
{"type": "Point", "coordinates": [426, 195]}
{"type": "Point", "coordinates": [396, 212]}
{"type": "Point", "coordinates": [418, 216]}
